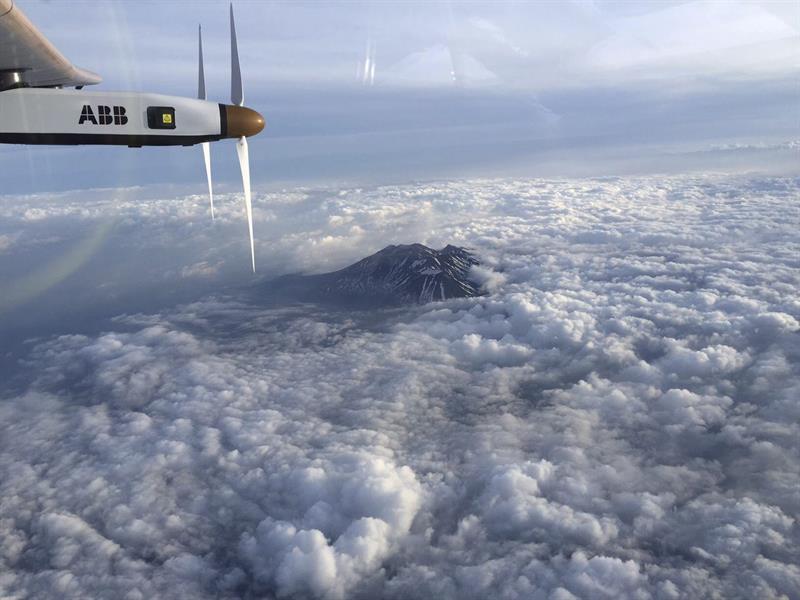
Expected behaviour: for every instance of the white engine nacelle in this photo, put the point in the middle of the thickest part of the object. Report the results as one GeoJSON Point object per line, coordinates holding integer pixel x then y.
{"type": "Point", "coordinates": [64, 116]}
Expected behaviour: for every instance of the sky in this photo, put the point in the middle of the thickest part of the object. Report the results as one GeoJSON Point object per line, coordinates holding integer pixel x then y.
{"type": "Point", "coordinates": [615, 416]}
{"type": "Point", "coordinates": [459, 89]}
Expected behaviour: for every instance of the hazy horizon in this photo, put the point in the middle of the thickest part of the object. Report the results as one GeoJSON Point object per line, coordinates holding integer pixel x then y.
{"type": "Point", "coordinates": [459, 89]}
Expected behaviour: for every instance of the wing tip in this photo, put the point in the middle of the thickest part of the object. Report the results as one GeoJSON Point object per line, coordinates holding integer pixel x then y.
{"type": "Point", "coordinates": [84, 77]}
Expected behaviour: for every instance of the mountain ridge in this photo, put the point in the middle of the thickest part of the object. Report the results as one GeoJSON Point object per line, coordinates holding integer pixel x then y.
{"type": "Point", "coordinates": [395, 275]}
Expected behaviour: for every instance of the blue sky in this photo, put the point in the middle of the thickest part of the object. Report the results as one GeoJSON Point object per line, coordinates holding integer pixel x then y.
{"type": "Point", "coordinates": [460, 89]}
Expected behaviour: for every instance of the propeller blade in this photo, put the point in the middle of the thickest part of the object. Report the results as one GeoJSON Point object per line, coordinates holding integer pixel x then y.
{"type": "Point", "coordinates": [201, 94]}
{"type": "Point", "coordinates": [207, 159]}
{"type": "Point", "coordinates": [201, 76]}
{"type": "Point", "coordinates": [237, 98]}
{"type": "Point", "coordinates": [244, 165]}
{"type": "Point", "coordinates": [237, 95]}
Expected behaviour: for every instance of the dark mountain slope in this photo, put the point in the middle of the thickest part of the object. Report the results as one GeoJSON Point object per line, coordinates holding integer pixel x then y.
{"type": "Point", "coordinates": [405, 274]}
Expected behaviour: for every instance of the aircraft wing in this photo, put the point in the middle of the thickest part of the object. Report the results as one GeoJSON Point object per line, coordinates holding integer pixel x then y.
{"type": "Point", "coordinates": [24, 48]}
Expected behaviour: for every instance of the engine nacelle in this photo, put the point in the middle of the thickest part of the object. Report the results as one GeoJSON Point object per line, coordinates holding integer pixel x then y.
{"type": "Point", "coordinates": [65, 116]}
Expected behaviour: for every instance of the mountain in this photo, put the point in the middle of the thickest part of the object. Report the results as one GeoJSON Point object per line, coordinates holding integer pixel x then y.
{"type": "Point", "coordinates": [404, 274]}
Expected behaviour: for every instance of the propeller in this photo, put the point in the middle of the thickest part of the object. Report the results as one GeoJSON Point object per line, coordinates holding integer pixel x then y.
{"type": "Point", "coordinates": [237, 122]}
{"type": "Point", "coordinates": [201, 94]}
{"type": "Point", "coordinates": [237, 98]}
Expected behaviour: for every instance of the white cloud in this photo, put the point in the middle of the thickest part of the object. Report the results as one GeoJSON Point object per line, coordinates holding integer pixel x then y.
{"type": "Point", "coordinates": [616, 418]}
{"type": "Point", "coordinates": [372, 500]}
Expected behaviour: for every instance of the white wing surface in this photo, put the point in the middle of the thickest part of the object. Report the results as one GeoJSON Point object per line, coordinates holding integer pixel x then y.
{"type": "Point", "coordinates": [23, 49]}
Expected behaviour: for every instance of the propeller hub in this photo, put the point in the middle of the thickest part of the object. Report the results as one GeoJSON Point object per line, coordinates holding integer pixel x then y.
{"type": "Point", "coordinates": [242, 121]}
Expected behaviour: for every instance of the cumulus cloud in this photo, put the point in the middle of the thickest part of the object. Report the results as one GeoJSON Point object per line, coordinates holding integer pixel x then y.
{"type": "Point", "coordinates": [616, 418]}
{"type": "Point", "coordinates": [372, 500]}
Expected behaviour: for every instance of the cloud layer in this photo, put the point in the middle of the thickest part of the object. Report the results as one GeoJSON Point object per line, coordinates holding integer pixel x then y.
{"type": "Point", "coordinates": [617, 418]}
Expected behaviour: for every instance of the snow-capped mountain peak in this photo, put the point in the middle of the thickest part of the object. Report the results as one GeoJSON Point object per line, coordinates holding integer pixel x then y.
{"type": "Point", "coordinates": [398, 274]}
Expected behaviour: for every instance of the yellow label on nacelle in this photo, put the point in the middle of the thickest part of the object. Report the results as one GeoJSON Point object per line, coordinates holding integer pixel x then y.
{"type": "Point", "coordinates": [166, 118]}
